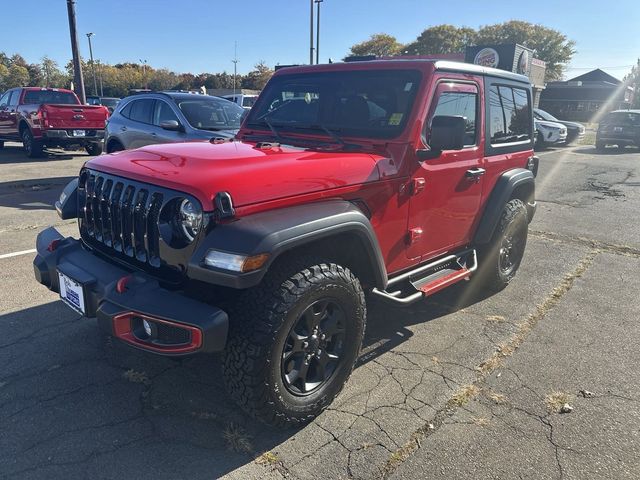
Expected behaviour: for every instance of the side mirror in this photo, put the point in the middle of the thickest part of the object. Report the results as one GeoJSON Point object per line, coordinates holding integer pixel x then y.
{"type": "Point", "coordinates": [447, 132]}
{"type": "Point", "coordinates": [172, 125]}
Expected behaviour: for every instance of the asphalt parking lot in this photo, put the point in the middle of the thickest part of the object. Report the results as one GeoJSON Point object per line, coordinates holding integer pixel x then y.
{"type": "Point", "coordinates": [539, 381]}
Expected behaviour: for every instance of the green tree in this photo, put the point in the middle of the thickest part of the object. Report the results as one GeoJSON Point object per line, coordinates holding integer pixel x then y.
{"type": "Point", "coordinates": [379, 44]}
{"type": "Point", "coordinates": [257, 78]}
{"type": "Point", "coordinates": [4, 73]}
{"type": "Point", "coordinates": [442, 39]}
{"type": "Point", "coordinates": [52, 75]}
{"type": "Point", "coordinates": [633, 80]}
{"type": "Point", "coordinates": [18, 76]}
{"type": "Point", "coordinates": [550, 45]}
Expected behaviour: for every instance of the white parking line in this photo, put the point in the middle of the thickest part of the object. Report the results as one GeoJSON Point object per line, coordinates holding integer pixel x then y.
{"type": "Point", "coordinates": [15, 254]}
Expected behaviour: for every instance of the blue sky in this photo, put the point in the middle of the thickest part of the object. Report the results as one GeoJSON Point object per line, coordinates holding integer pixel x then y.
{"type": "Point", "coordinates": [198, 35]}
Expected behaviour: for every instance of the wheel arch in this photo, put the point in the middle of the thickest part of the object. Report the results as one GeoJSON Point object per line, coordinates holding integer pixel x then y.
{"type": "Point", "coordinates": [516, 183]}
{"type": "Point", "coordinates": [335, 229]}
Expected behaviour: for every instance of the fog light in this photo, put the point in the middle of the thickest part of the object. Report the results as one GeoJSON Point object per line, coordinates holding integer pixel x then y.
{"type": "Point", "coordinates": [147, 327]}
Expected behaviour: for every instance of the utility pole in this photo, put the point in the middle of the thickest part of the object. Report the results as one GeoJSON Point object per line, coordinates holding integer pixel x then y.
{"type": "Point", "coordinates": [93, 65]}
{"type": "Point", "coordinates": [311, 34]}
{"type": "Point", "coordinates": [77, 66]}
{"type": "Point", "coordinates": [318, 2]}
{"type": "Point", "coordinates": [235, 65]}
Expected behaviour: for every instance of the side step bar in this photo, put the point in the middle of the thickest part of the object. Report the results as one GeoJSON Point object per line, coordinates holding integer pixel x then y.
{"type": "Point", "coordinates": [432, 277]}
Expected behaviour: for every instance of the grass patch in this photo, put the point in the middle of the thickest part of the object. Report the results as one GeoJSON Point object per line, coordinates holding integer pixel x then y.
{"type": "Point", "coordinates": [267, 458]}
{"type": "Point", "coordinates": [480, 421]}
{"type": "Point", "coordinates": [556, 400]}
{"type": "Point", "coordinates": [237, 439]}
{"type": "Point", "coordinates": [497, 398]}
{"type": "Point", "coordinates": [463, 395]}
{"type": "Point", "coordinates": [495, 318]}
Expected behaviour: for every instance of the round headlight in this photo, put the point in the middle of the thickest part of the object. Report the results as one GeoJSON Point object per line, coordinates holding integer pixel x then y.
{"type": "Point", "coordinates": [190, 218]}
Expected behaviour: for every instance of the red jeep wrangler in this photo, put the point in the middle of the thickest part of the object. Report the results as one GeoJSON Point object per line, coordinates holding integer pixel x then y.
{"type": "Point", "coordinates": [50, 117]}
{"type": "Point", "coordinates": [395, 177]}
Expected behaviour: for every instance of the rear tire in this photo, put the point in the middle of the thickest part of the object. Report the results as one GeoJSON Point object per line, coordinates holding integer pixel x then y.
{"type": "Point", "coordinates": [500, 259]}
{"type": "Point", "coordinates": [94, 149]}
{"type": "Point", "coordinates": [32, 147]}
{"type": "Point", "coordinates": [114, 146]}
{"type": "Point", "coordinates": [294, 341]}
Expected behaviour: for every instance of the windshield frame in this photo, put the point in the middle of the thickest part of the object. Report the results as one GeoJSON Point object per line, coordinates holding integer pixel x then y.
{"type": "Point", "coordinates": [546, 116]}
{"type": "Point", "coordinates": [321, 81]}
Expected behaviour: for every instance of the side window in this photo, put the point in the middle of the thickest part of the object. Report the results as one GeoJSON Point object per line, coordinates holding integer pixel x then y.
{"type": "Point", "coordinates": [142, 110]}
{"type": "Point", "coordinates": [13, 99]}
{"type": "Point", "coordinates": [126, 110]}
{"type": "Point", "coordinates": [163, 112]}
{"type": "Point", "coordinates": [509, 115]}
{"type": "Point", "coordinates": [4, 100]}
{"type": "Point", "coordinates": [462, 104]}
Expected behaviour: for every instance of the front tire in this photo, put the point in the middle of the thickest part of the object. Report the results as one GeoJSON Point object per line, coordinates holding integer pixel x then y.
{"type": "Point", "coordinates": [501, 258]}
{"type": "Point", "coordinates": [32, 147]}
{"type": "Point", "coordinates": [294, 341]}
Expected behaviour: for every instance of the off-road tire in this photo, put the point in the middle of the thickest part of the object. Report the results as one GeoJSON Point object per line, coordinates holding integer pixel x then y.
{"type": "Point", "coordinates": [94, 149]}
{"type": "Point", "coordinates": [32, 147]}
{"type": "Point", "coordinates": [260, 324]}
{"type": "Point", "coordinates": [492, 274]}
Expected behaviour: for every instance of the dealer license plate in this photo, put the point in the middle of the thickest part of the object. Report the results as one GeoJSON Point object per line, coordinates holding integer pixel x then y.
{"type": "Point", "coordinates": [79, 133]}
{"type": "Point", "coordinates": [71, 293]}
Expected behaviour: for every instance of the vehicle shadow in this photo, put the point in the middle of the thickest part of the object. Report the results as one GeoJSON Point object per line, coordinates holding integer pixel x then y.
{"type": "Point", "coordinates": [98, 408]}
{"type": "Point", "coordinates": [33, 194]}
{"type": "Point", "coordinates": [13, 153]}
{"type": "Point", "coordinates": [592, 150]}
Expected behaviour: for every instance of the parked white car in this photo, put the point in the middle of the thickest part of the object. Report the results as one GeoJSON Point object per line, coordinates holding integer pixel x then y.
{"type": "Point", "coordinates": [245, 101]}
{"type": "Point", "coordinates": [549, 133]}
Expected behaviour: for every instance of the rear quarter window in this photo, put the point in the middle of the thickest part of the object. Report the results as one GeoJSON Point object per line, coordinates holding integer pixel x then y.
{"type": "Point", "coordinates": [509, 115]}
{"type": "Point", "coordinates": [142, 110]}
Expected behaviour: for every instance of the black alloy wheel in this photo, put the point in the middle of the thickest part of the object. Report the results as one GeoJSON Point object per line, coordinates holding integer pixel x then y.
{"type": "Point", "coordinates": [313, 347]}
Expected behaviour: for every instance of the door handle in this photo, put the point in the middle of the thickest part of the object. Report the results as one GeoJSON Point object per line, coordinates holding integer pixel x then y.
{"type": "Point", "coordinates": [474, 173]}
{"type": "Point", "coordinates": [123, 129]}
{"type": "Point", "coordinates": [154, 134]}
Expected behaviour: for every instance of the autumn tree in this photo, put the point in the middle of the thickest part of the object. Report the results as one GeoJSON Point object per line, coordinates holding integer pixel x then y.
{"type": "Point", "coordinates": [257, 78]}
{"type": "Point", "coordinates": [379, 44]}
{"type": "Point", "coordinates": [633, 80]}
{"type": "Point", "coordinates": [442, 39]}
{"type": "Point", "coordinates": [551, 46]}
{"type": "Point", "coordinates": [17, 76]}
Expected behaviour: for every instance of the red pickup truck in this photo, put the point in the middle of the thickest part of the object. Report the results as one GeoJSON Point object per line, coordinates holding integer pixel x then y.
{"type": "Point", "coordinates": [50, 117]}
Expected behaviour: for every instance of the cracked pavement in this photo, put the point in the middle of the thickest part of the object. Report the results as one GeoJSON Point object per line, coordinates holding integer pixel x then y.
{"type": "Point", "coordinates": [455, 387]}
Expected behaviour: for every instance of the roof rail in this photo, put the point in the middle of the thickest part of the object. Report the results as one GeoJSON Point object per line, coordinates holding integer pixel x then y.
{"type": "Point", "coordinates": [360, 58]}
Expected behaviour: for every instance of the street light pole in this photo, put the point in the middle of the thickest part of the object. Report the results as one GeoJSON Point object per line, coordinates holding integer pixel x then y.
{"type": "Point", "coordinates": [93, 65]}
{"type": "Point", "coordinates": [235, 65]}
{"type": "Point", "coordinates": [311, 34]}
{"type": "Point", "coordinates": [318, 2]}
{"type": "Point", "coordinates": [77, 66]}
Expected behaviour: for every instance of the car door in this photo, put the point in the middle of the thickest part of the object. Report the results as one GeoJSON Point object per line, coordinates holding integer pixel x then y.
{"type": "Point", "coordinates": [446, 190]}
{"type": "Point", "coordinates": [9, 114]}
{"type": "Point", "coordinates": [164, 112]}
{"type": "Point", "coordinates": [138, 131]}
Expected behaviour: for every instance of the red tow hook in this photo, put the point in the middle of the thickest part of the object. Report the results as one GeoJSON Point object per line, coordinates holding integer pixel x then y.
{"type": "Point", "coordinates": [121, 286]}
{"type": "Point", "coordinates": [53, 245]}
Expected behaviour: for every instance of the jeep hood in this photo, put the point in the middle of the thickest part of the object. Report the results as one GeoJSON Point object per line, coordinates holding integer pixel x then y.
{"type": "Point", "coordinates": [250, 174]}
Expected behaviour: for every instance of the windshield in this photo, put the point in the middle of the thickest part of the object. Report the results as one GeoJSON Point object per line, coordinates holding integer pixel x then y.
{"type": "Point", "coordinates": [110, 102]}
{"type": "Point", "coordinates": [375, 104]}
{"type": "Point", "coordinates": [211, 114]}
{"type": "Point", "coordinates": [249, 101]}
{"type": "Point", "coordinates": [623, 118]}
{"type": "Point", "coordinates": [542, 115]}
{"type": "Point", "coordinates": [49, 96]}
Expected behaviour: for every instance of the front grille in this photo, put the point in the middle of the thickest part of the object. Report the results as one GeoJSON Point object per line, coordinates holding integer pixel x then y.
{"type": "Point", "coordinates": [122, 215]}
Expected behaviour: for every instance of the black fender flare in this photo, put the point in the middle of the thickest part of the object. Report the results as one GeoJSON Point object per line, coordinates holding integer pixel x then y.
{"type": "Point", "coordinates": [508, 183]}
{"type": "Point", "coordinates": [67, 204]}
{"type": "Point", "coordinates": [277, 231]}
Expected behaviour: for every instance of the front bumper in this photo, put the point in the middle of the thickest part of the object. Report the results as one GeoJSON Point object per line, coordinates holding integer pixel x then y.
{"type": "Point", "coordinates": [179, 325]}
